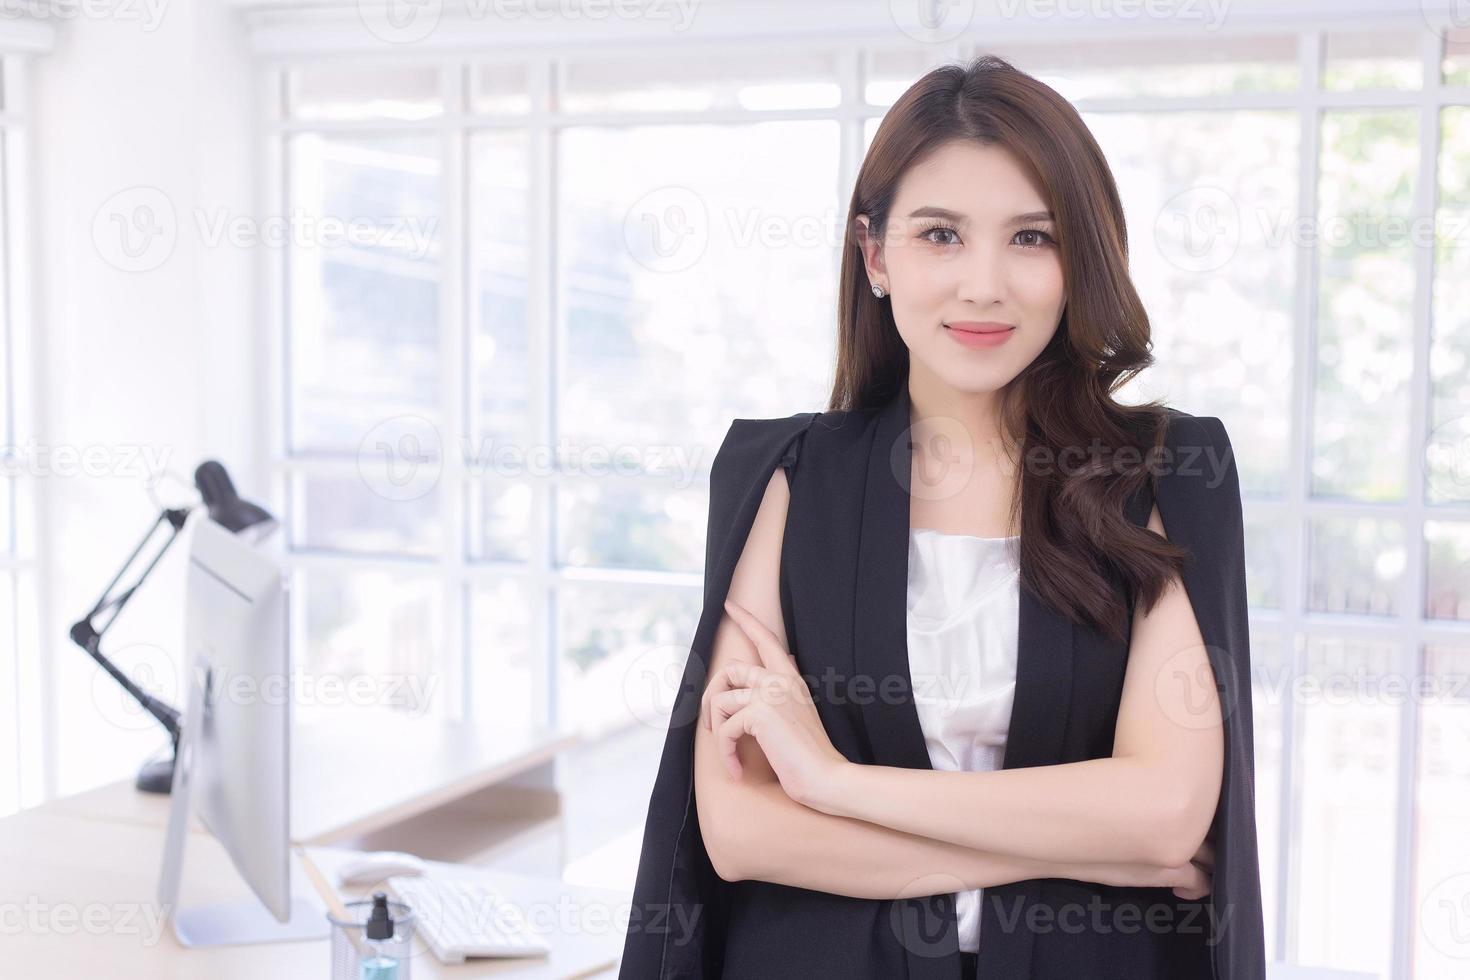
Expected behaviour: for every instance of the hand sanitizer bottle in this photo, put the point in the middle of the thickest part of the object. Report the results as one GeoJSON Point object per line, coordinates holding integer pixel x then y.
{"type": "Point", "coordinates": [377, 965]}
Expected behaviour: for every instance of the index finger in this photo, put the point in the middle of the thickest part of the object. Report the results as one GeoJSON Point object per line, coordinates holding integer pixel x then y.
{"type": "Point", "coordinates": [735, 674]}
{"type": "Point", "coordinates": [773, 654]}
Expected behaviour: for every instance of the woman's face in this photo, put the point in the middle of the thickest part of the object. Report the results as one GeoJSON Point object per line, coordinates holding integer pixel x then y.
{"type": "Point", "coordinates": [970, 264]}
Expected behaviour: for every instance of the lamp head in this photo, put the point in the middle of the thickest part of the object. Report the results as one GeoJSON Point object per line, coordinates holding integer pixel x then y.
{"type": "Point", "coordinates": [224, 505]}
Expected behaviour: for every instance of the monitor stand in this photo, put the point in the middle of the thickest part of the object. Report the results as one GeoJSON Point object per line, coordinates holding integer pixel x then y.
{"type": "Point", "coordinates": [239, 923]}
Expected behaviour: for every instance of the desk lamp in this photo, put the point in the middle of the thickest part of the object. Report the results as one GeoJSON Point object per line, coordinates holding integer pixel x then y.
{"type": "Point", "coordinates": [224, 506]}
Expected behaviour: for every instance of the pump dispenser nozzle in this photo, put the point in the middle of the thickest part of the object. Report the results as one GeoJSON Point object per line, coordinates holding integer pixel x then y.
{"type": "Point", "coordinates": [378, 929]}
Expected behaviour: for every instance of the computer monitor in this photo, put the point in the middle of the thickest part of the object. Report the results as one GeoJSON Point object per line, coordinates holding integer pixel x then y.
{"type": "Point", "coordinates": [234, 758]}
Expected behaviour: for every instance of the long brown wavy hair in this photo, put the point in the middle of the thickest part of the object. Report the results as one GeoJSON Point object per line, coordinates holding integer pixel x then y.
{"type": "Point", "coordinates": [1078, 547]}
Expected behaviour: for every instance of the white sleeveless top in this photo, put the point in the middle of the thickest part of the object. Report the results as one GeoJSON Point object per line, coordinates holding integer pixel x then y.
{"type": "Point", "coordinates": [963, 609]}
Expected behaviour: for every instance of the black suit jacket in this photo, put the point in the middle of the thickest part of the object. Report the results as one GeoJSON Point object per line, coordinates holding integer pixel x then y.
{"type": "Point", "coordinates": [843, 588]}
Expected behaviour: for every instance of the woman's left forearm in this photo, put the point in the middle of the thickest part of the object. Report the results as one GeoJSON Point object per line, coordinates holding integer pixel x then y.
{"type": "Point", "coordinates": [1101, 810]}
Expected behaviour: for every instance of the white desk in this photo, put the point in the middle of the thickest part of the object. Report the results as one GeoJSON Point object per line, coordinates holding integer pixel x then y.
{"type": "Point", "coordinates": [76, 897]}
{"type": "Point", "coordinates": [78, 875]}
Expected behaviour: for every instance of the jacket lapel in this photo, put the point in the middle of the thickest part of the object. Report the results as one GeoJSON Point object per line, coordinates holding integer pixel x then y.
{"type": "Point", "coordinates": [880, 628]}
{"type": "Point", "coordinates": [880, 636]}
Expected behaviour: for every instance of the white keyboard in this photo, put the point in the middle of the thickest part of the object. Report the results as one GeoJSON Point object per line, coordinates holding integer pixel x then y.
{"type": "Point", "coordinates": [462, 917]}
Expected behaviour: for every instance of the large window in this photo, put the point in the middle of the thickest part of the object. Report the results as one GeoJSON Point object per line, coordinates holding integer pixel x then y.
{"type": "Point", "coordinates": [518, 319]}
{"type": "Point", "coordinates": [497, 403]}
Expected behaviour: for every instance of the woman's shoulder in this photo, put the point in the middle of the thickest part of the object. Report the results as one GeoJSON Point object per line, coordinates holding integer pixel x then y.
{"type": "Point", "coordinates": [751, 443]}
{"type": "Point", "coordinates": [754, 446]}
{"type": "Point", "coordinates": [813, 429]}
{"type": "Point", "coordinates": [1186, 432]}
{"type": "Point", "coordinates": [1198, 467]}
{"type": "Point", "coordinates": [823, 421]}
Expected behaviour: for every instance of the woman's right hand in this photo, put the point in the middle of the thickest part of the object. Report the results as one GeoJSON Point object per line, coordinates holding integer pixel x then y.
{"type": "Point", "coordinates": [1195, 879]}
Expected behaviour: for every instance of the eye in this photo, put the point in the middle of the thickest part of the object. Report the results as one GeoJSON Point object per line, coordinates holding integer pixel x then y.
{"type": "Point", "coordinates": [1045, 239]}
{"type": "Point", "coordinates": [927, 232]}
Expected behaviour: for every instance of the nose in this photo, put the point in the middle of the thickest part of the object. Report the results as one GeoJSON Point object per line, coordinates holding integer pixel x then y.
{"type": "Point", "coordinates": [981, 275]}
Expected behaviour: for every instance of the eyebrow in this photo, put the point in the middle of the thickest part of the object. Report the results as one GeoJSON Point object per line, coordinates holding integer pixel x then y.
{"type": "Point", "coordinates": [960, 219]}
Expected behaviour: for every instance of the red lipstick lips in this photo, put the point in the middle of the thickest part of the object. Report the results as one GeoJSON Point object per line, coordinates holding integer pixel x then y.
{"type": "Point", "coordinates": [973, 334]}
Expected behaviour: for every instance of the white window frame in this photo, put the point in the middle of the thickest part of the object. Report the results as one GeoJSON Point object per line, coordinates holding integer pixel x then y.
{"type": "Point", "coordinates": [30, 675]}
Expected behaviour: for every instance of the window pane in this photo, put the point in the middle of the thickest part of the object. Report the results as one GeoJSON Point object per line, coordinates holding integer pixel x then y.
{"type": "Point", "coordinates": [697, 83]}
{"type": "Point", "coordinates": [1266, 538]}
{"type": "Point", "coordinates": [364, 313]}
{"type": "Point", "coordinates": [502, 658]}
{"type": "Point", "coordinates": [1442, 812]}
{"type": "Point", "coordinates": [1270, 688]}
{"type": "Point", "coordinates": [384, 628]}
{"type": "Point", "coordinates": [1349, 785]}
{"type": "Point", "coordinates": [1365, 303]}
{"type": "Point", "coordinates": [615, 523]}
{"type": "Point", "coordinates": [693, 255]}
{"type": "Point", "coordinates": [500, 89]}
{"type": "Point", "coordinates": [1355, 565]}
{"type": "Point", "coordinates": [1457, 56]}
{"type": "Point", "coordinates": [1377, 60]}
{"type": "Point", "coordinates": [500, 521]}
{"type": "Point", "coordinates": [1447, 456]}
{"type": "Point", "coordinates": [623, 651]}
{"type": "Point", "coordinates": [1447, 544]}
{"type": "Point", "coordinates": [382, 92]}
{"type": "Point", "coordinates": [500, 375]}
{"type": "Point", "coordinates": [347, 513]}
{"type": "Point", "coordinates": [1185, 67]}
{"type": "Point", "coordinates": [1214, 259]}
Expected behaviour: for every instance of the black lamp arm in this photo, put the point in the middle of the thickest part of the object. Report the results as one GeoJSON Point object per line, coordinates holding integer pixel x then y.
{"type": "Point", "coordinates": [87, 634]}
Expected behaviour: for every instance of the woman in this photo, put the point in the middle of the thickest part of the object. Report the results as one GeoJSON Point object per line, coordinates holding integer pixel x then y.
{"type": "Point", "coordinates": [970, 694]}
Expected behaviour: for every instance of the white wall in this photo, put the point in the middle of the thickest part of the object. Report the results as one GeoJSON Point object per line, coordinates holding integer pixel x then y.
{"type": "Point", "coordinates": [154, 350]}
